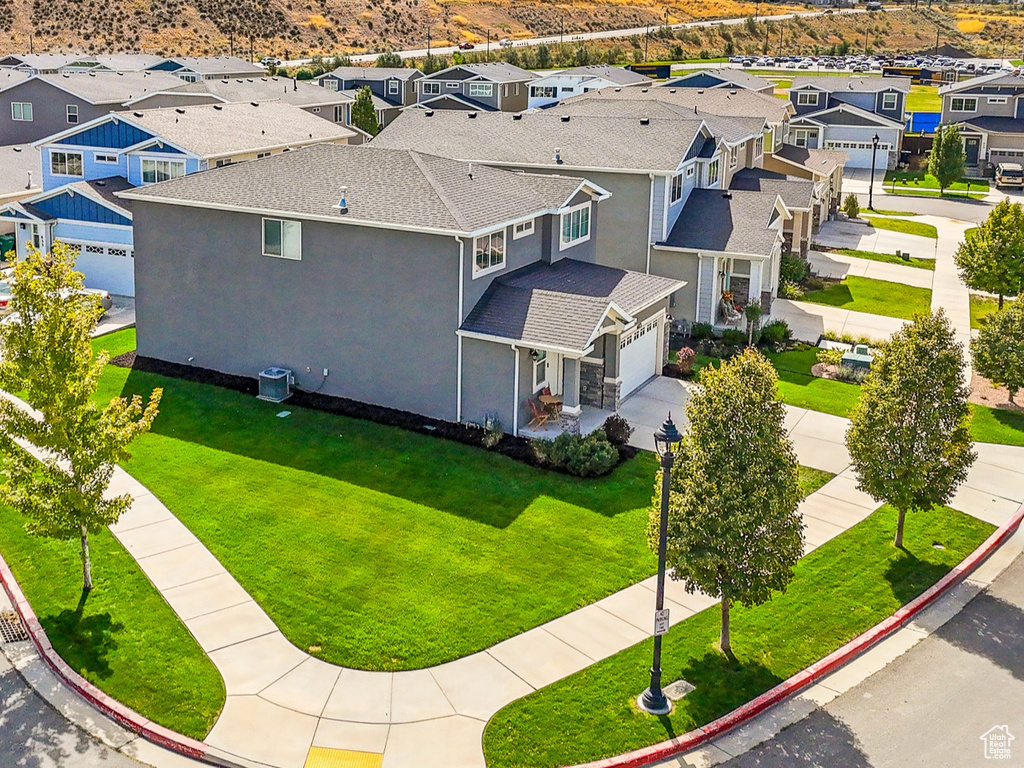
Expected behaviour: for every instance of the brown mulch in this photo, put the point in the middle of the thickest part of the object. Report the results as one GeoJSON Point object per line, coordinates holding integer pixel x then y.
{"type": "Point", "coordinates": [983, 392]}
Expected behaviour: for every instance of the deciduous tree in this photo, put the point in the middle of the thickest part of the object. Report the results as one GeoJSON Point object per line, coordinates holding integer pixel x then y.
{"type": "Point", "coordinates": [946, 162]}
{"type": "Point", "coordinates": [389, 59]}
{"type": "Point", "coordinates": [998, 351]}
{"type": "Point", "coordinates": [991, 259]}
{"type": "Point", "coordinates": [364, 115]}
{"type": "Point", "coordinates": [909, 436]}
{"type": "Point", "coordinates": [734, 532]}
{"type": "Point", "coordinates": [47, 356]}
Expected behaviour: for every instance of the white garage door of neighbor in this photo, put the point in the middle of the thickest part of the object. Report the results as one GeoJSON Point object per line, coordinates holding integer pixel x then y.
{"type": "Point", "coordinates": [861, 158]}
{"type": "Point", "coordinates": [638, 356]}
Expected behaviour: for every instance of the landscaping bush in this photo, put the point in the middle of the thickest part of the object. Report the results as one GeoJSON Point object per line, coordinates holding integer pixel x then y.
{"type": "Point", "coordinates": [850, 206]}
{"type": "Point", "coordinates": [685, 359]}
{"type": "Point", "coordinates": [733, 338]}
{"type": "Point", "coordinates": [588, 456]}
{"type": "Point", "coordinates": [617, 430]}
{"type": "Point", "coordinates": [830, 356]}
{"type": "Point", "coordinates": [493, 433]}
{"type": "Point", "coordinates": [776, 334]}
{"type": "Point", "coordinates": [303, 73]}
{"type": "Point", "coordinates": [793, 270]}
{"type": "Point", "coordinates": [791, 292]}
{"type": "Point", "coordinates": [850, 375]}
{"type": "Point", "coordinates": [815, 284]}
{"type": "Point", "coordinates": [702, 331]}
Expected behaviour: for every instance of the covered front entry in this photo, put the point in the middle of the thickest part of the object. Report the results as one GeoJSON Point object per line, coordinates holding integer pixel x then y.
{"type": "Point", "coordinates": [638, 355]}
{"type": "Point", "coordinates": [972, 148]}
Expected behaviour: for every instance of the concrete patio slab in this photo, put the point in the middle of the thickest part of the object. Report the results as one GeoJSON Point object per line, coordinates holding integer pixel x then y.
{"type": "Point", "coordinates": [446, 743]}
{"type": "Point", "coordinates": [358, 737]}
{"type": "Point", "coordinates": [180, 566]}
{"type": "Point", "coordinates": [416, 696]}
{"type": "Point", "coordinates": [255, 729]}
{"type": "Point", "coordinates": [595, 632]}
{"type": "Point", "coordinates": [249, 667]}
{"type": "Point", "coordinates": [230, 626]}
{"type": "Point", "coordinates": [833, 511]}
{"type": "Point", "coordinates": [479, 685]}
{"type": "Point", "coordinates": [154, 539]}
{"type": "Point", "coordinates": [362, 697]}
{"type": "Point", "coordinates": [214, 593]}
{"type": "Point", "coordinates": [539, 657]}
{"type": "Point", "coordinates": [304, 689]}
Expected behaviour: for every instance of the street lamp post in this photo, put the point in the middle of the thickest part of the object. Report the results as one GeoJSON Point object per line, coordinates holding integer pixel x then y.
{"type": "Point", "coordinates": [871, 189]}
{"type": "Point", "coordinates": [653, 700]}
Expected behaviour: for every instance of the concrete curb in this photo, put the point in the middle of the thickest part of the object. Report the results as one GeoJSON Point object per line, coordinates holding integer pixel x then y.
{"type": "Point", "coordinates": [699, 736]}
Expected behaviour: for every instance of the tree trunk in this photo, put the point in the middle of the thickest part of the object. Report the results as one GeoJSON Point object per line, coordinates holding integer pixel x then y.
{"type": "Point", "coordinates": [724, 640]}
{"type": "Point", "coordinates": [86, 563]}
{"type": "Point", "coordinates": [1000, 301]}
{"type": "Point", "coordinates": [1013, 394]}
{"type": "Point", "coordinates": [899, 529]}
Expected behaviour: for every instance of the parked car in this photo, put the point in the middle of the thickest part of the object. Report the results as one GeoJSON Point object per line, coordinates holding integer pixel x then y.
{"type": "Point", "coordinates": [266, 61]}
{"type": "Point", "coordinates": [5, 299]}
{"type": "Point", "coordinates": [505, 42]}
{"type": "Point", "coordinates": [1009, 175]}
{"type": "Point", "coordinates": [466, 46]}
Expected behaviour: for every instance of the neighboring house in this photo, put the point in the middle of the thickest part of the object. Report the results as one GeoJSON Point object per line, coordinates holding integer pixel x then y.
{"type": "Point", "coordinates": [40, 105]}
{"type": "Point", "coordinates": [480, 281]}
{"type": "Point", "coordinates": [723, 77]}
{"type": "Point", "coordinates": [553, 88]}
{"type": "Point", "coordinates": [329, 105]}
{"type": "Point", "coordinates": [822, 166]}
{"type": "Point", "coordinates": [989, 112]}
{"type": "Point", "coordinates": [846, 113]}
{"type": "Point", "coordinates": [392, 87]}
{"type": "Point", "coordinates": [68, 63]}
{"type": "Point", "coordinates": [492, 87]}
{"type": "Point", "coordinates": [724, 240]}
{"type": "Point", "coordinates": [19, 179]}
{"type": "Point", "coordinates": [192, 69]}
{"type": "Point", "coordinates": [83, 166]}
{"type": "Point", "coordinates": [797, 196]}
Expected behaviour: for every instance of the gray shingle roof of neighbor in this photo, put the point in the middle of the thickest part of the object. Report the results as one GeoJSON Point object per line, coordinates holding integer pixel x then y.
{"type": "Point", "coordinates": [818, 161]}
{"type": "Point", "coordinates": [730, 222]}
{"type": "Point", "coordinates": [297, 92]}
{"type": "Point", "coordinates": [217, 65]}
{"type": "Point", "coordinates": [995, 80]}
{"type": "Point", "coordinates": [374, 73]}
{"type": "Point", "coordinates": [105, 189]}
{"type": "Point", "coordinates": [126, 62]}
{"type": "Point", "coordinates": [43, 60]}
{"type": "Point", "coordinates": [862, 84]}
{"type": "Point", "coordinates": [497, 71]}
{"type": "Point", "coordinates": [619, 75]}
{"type": "Point", "coordinates": [532, 137]}
{"type": "Point", "coordinates": [17, 160]}
{"type": "Point", "coordinates": [212, 130]}
{"type": "Point", "coordinates": [561, 304]}
{"type": "Point", "coordinates": [11, 77]}
{"type": "Point", "coordinates": [729, 75]}
{"type": "Point", "coordinates": [995, 124]}
{"type": "Point", "coordinates": [384, 187]}
{"type": "Point", "coordinates": [795, 193]}
{"type": "Point", "coordinates": [728, 102]}
{"type": "Point", "coordinates": [729, 128]}
{"type": "Point", "coordinates": [378, 102]}
{"type": "Point", "coordinates": [112, 87]}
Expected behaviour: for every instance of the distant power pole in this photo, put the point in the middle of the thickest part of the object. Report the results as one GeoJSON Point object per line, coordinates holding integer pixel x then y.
{"type": "Point", "coordinates": [782, 27]}
{"type": "Point", "coordinates": [428, 42]}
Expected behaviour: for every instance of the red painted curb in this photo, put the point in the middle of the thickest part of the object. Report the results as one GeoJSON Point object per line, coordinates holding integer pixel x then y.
{"type": "Point", "coordinates": [741, 715]}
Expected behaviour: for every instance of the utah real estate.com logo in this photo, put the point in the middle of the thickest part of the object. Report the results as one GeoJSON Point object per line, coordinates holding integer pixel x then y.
{"type": "Point", "coordinates": [997, 742]}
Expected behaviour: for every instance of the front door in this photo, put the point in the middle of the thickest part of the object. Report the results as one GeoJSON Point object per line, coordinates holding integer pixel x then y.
{"type": "Point", "coordinates": [971, 147]}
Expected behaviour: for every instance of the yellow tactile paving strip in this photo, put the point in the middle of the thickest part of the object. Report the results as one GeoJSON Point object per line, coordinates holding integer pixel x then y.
{"type": "Point", "coordinates": [322, 757]}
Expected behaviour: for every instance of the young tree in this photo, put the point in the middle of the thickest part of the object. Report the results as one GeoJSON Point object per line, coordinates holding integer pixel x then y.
{"type": "Point", "coordinates": [992, 258]}
{"type": "Point", "coordinates": [364, 115]}
{"type": "Point", "coordinates": [946, 162]}
{"type": "Point", "coordinates": [734, 532]}
{"type": "Point", "coordinates": [47, 355]}
{"type": "Point", "coordinates": [909, 436]}
{"type": "Point", "coordinates": [390, 59]}
{"type": "Point", "coordinates": [851, 207]}
{"type": "Point", "coordinates": [998, 351]}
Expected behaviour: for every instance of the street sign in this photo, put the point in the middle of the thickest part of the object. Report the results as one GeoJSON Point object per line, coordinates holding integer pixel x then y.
{"type": "Point", "coordinates": [661, 622]}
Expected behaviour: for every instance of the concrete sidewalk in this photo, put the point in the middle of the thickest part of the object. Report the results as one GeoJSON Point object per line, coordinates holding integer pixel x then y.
{"type": "Point", "coordinates": [860, 236]}
{"type": "Point", "coordinates": [809, 321]}
{"type": "Point", "coordinates": [948, 291]}
{"type": "Point", "coordinates": [836, 266]}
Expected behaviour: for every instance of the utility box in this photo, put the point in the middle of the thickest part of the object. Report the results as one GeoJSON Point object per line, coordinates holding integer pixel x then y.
{"type": "Point", "coordinates": [275, 385]}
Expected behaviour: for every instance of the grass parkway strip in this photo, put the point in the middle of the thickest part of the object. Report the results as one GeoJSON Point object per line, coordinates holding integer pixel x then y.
{"type": "Point", "coordinates": [888, 258]}
{"type": "Point", "coordinates": [840, 589]}
{"type": "Point", "coordinates": [875, 297]}
{"type": "Point", "coordinates": [906, 227]}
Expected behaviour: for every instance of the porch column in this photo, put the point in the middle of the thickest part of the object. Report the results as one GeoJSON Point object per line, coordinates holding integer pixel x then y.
{"type": "Point", "coordinates": [570, 385]}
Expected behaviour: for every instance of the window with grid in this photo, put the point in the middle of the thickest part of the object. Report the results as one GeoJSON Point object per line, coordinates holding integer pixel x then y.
{"type": "Point", "coordinates": [489, 252]}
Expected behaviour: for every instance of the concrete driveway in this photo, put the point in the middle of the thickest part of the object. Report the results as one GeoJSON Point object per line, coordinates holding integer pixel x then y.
{"type": "Point", "coordinates": [837, 266]}
{"type": "Point", "coordinates": [809, 321]}
{"type": "Point", "coordinates": [859, 235]}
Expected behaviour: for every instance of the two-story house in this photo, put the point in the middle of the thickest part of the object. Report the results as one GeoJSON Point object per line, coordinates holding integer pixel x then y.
{"type": "Point", "coordinates": [723, 77]}
{"type": "Point", "coordinates": [508, 297]}
{"type": "Point", "coordinates": [191, 69]}
{"type": "Point", "coordinates": [392, 87]}
{"type": "Point", "coordinates": [71, 63]}
{"type": "Point", "coordinates": [552, 88]}
{"type": "Point", "coordinates": [35, 106]}
{"type": "Point", "coordinates": [83, 166]}
{"type": "Point", "coordinates": [490, 87]}
{"type": "Point", "coordinates": [989, 112]}
{"type": "Point", "coordinates": [847, 113]}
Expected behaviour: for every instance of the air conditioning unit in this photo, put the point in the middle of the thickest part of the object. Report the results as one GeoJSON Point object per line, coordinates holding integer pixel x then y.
{"type": "Point", "coordinates": [275, 385]}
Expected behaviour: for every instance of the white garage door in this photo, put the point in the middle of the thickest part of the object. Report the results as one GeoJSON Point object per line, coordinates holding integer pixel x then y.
{"type": "Point", "coordinates": [860, 154]}
{"type": "Point", "coordinates": [638, 356]}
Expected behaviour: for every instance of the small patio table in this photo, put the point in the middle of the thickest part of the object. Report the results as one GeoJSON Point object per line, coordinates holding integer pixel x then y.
{"type": "Point", "coordinates": [552, 403]}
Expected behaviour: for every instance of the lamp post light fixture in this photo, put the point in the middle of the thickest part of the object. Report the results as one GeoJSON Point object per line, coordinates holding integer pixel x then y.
{"type": "Point", "coordinates": [666, 439]}
{"type": "Point", "coordinates": [871, 189]}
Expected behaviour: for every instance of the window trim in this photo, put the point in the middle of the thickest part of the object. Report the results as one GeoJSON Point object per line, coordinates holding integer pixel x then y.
{"type": "Point", "coordinates": [432, 88]}
{"type": "Point", "coordinates": [392, 87]}
{"type": "Point", "coordinates": [998, 100]}
{"type": "Point", "coordinates": [23, 119]}
{"type": "Point", "coordinates": [523, 229]}
{"type": "Point", "coordinates": [330, 83]}
{"type": "Point", "coordinates": [895, 101]}
{"type": "Point", "coordinates": [552, 92]}
{"type": "Point", "coordinates": [486, 90]}
{"type": "Point", "coordinates": [142, 169]}
{"type": "Point", "coordinates": [67, 155]}
{"type": "Point", "coordinates": [282, 222]}
{"type": "Point", "coordinates": [479, 271]}
{"type": "Point", "coordinates": [963, 103]}
{"type": "Point", "coordinates": [716, 164]}
{"type": "Point", "coordinates": [106, 159]}
{"type": "Point", "coordinates": [564, 244]}
{"type": "Point", "coordinates": [67, 113]}
{"type": "Point", "coordinates": [541, 359]}
{"type": "Point", "coordinates": [675, 186]}
{"type": "Point", "coordinates": [802, 102]}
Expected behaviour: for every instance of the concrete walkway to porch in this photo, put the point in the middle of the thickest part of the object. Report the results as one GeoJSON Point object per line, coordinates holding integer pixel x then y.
{"type": "Point", "coordinates": [809, 321]}
{"type": "Point", "coordinates": [837, 266]}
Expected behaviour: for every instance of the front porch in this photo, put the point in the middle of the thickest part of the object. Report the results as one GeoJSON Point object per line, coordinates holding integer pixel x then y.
{"type": "Point", "coordinates": [590, 420]}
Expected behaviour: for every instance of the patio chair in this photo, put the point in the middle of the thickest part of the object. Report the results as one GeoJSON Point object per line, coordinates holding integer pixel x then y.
{"type": "Point", "coordinates": [540, 415]}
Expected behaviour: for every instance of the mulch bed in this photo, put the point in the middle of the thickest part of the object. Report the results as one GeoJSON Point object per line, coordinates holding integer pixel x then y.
{"type": "Point", "coordinates": [517, 448]}
{"type": "Point", "coordinates": [983, 392]}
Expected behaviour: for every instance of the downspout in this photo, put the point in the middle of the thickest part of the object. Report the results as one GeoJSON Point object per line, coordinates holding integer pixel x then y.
{"type": "Point", "coordinates": [650, 222]}
{"type": "Point", "coordinates": [458, 372]}
{"type": "Point", "coordinates": [515, 395]}
{"type": "Point", "coordinates": [700, 271]}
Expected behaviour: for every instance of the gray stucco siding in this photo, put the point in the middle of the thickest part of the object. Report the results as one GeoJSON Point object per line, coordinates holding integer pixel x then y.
{"type": "Point", "coordinates": [49, 112]}
{"type": "Point", "coordinates": [488, 378]}
{"type": "Point", "coordinates": [681, 266]}
{"type": "Point", "coordinates": [377, 308]}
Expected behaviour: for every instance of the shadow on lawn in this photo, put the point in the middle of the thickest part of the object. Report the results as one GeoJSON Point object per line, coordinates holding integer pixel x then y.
{"type": "Point", "coordinates": [84, 642]}
{"type": "Point", "coordinates": [438, 473]}
{"type": "Point", "coordinates": [909, 576]}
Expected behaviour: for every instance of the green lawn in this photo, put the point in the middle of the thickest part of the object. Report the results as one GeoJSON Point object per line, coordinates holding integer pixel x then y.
{"type": "Point", "coordinates": [924, 98]}
{"type": "Point", "coordinates": [982, 307]}
{"type": "Point", "coordinates": [876, 297]}
{"type": "Point", "coordinates": [928, 184]}
{"type": "Point", "coordinates": [906, 227]}
{"type": "Point", "coordinates": [889, 258]}
{"type": "Point", "coordinates": [122, 637]}
{"type": "Point", "coordinates": [886, 212]}
{"type": "Point", "coordinates": [812, 479]}
{"type": "Point", "coordinates": [839, 590]}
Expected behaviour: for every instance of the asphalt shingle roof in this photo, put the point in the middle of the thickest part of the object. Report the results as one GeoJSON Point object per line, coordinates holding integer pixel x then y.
{"type": "Point", "coordinates": [112, 87]}
{"type": "Point", "coordinates": [560, 305]}
{"type": "Point", "coordinates": [995, 124]}
{"type": "Point", "coordinates": [16, 160]}
{"type": "Point", "coordinates": [496, 71]}
{"type": "Point", "coordinates": [212, 130]}
{"type": "Point", "coordinates": [218, 65]}
{"type": "Point", "coordinates": [619, 75]}
{"type": "Point", "coordinates": [375, 73]}
{"type": "Point", "coordinates": [726, 102]}
{"type": "Point", "coordinates": [385, 186]}
{"type": "Point", "coordinates": [818, 161]}
{"type": "Point", "coordinates": [729, 128]}
{"type": "Point", "coordinates": [105, 189]}
{"type": "Point", "coordinates": [861, 84]}
{"type": "Point", "coordinates": [731, 222]}
{"type": "Point", "coordinates": [729, 75]}
{"type": "Point", "coordinates": [995, 80]}
{"type": "Point", "coordinates": [795, 193]}
{"type": "Point", "coordinates": [532, 137]}
{"type": "Point", "coordinates": [297, 92]}
{"type": "Point", "coordinates": [11, 77]}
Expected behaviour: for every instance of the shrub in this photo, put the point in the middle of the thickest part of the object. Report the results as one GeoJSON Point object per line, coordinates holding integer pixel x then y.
{"type": "Point", "coordinates": [776, 333]}
{"type": "Point", "coordinates": [850, 206]}
{"type": "Point", "coordinates": [617, 430]}
{"type": "Point", "coordinates": [733, 338]}
{"type": "Point", "coordinates": [850, 374]}
{"type": "Point", "coordinates": [493, 433]}
{"type": "Point", "coordinates": [815, 284]}
{"type": "Point", "coordinates": [791, 292]}
{"type": "Point", "coordinates": [303, 73]}
{"type": "Point", "coordinates": [685, 359]}
{"type": "Point", "coordinates": [588, 456]}
{"type": "Point", "coordinates": [830, 356]}
{"type": "Point", "coordinates": [793, 269]}
{"type": "Point", "coordinates": [705, 53]}
{"type": "Point", "coordinates": [702, 331]}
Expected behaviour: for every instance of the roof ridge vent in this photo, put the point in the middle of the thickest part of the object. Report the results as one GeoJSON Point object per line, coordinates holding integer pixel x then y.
{"type": "Point", "coordinates": [471, 115]}
{"type": "Point", "coordinates": [218, 107]}
{"type": "Point", "coordinates": [517, 116]}
{"type": "Point", "coordinates": [645, 90]}
{"type": "Point", "coordinates": [180, 111]}
{"type": "Point", "coordinates": [645, 121]}
{"type": "Point", "coordinates": [565, 118]}
{"type": "Point", "coordinates": [671, 90]}
{"type": "Point", "coordinates": [429, 113]}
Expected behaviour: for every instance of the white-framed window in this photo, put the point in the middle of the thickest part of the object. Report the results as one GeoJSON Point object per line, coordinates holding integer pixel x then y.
{"type": "Point", "coordinates": [329, 83]}
{"type": "Point", "coordinates": [261, 155]}
{"type": "Point", "coordinates": [997, 99]}
{"type": "Point", "coordinates": [106, 158]}
{"type": "Point", "coordinates": [224, 161]}
{"type": "Point", "coordinates": [481, 89]}
{"type": "Point", "coordinates": [162, 170]}
{"type": "Point", "coordinates": [733, 157]}
{"type": "Point", "coordinates": [759, 146]}
{"type": "Point", "coordinates": [713, 173]}
{"type": "Point", "coordinates": [889, 101]}
{"type": "Point", "coordinates": [66, 163]}
{"type": "Point", "coordinates": [802, 137]}
{"type": "Point", "coordinates": [689, 171]}
{"type": "Point", "coordinates": [37, 236]}
{"type": "Point", "coordinates": [21, 111]}
{"type": "Point", "coordinates": [807, 99]}
{"type": "Point", "coordinates": [72, 114]}
{"type": "Point", "coordinates": [676, 193]}
{"type": "Point", "coordinates": [452, 85]}
{"type": "Point", "coordinates": [543, 92]}
{"type": "Point", "coordinates": [489, 253]}
{"type": "Point", "coordinates": [522, 229]}
{"type": "Point", "coordinates": [392, 87]}
{"type": "Point", "coordinates": [189, 77]}
{"type": "Point", "coordinates": [575, 226]}
{"type": "Point", "coordinates": [282, 239]}
{"type": "Point", "coordinates": [430, 89]}
{"type": "Point", "coordinates": [515, 89]}
{"type": "Point", "coordinates": [540, 370]}
{"type": "Point", "coordinates": [963, 104]}
{"type": "Point", "coordinates": [339, 113]}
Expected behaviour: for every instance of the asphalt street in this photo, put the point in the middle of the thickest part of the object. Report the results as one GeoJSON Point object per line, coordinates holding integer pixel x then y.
{"type": "Point", "coordinates": [930, 707]}
{"type": "Point", "coordinates": [966, 210]}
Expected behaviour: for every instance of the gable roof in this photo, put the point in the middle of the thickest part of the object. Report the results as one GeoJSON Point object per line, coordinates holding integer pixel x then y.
{"type": "Point", "coordinates": [11, 77]}
{"type": "Point", "coordinates": [17, 160]}
{"type": "Point", "coordinates": [618, 75]}
{"type": "Point", "coordinates": [110, 87]}
{"type": "Point", "coordinates": [530, 139]}
{"type": "Point", "coordinates": [495, 71]}
{"type": "Point", "coordinates": [387, 188]}
{"type": "Point", "coordinates": [378, 102]}
{"type": "Point", "coordinates": [833, 83]}
{"type": "Point", "coordinates": [846, 114]}
{"type": "Point", "coordinates": [726, 102]}
{"type": "Point", "coordinates": [104, 192]}
{"type": "Point", "coordinates": [985, 124]}
{"type": "Point", "coordinates": [727, 75]}
{"type": "Point", "coordinates": [995, 80]}
{"type": "Point", "coordinates": [374, 74]}
{"type": "Point", "coordinates": [795, 192]}
{"type": "Point", "coordinates": [284, 89]}
{"type": "Point", "coordinates": [562, 305]}
{"type": "Point", "coordinates": [731, 129]}
{"type": "Point", "coordinates": [820, 162]}
{"type": "Point", "coordinates": [209, 66]}
{"type": "Point", "coordinates": [727, 222]}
